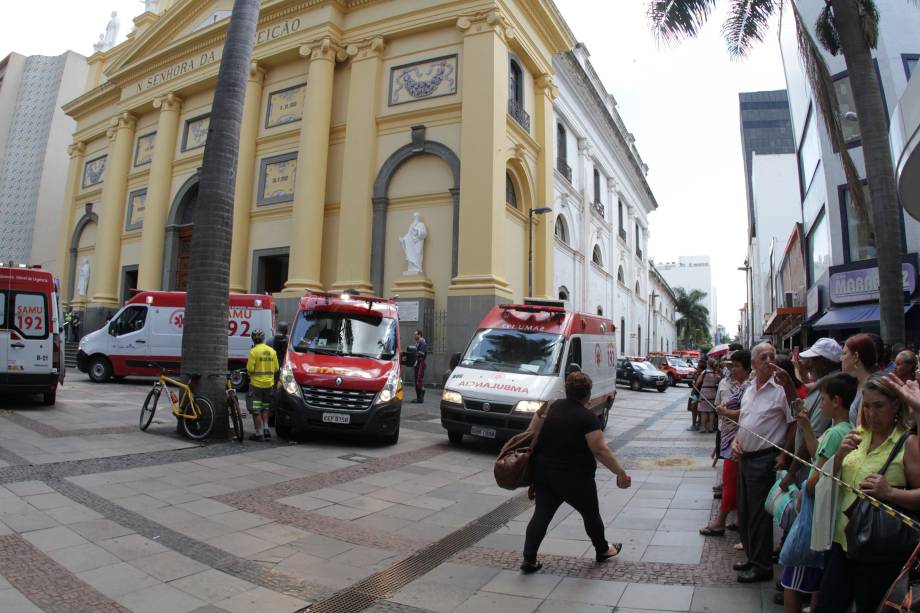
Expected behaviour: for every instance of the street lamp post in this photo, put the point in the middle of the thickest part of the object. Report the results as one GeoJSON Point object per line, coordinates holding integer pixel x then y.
{"type": "Point", "coordinates": [648, 322]}
{"type": "Point", "coordinates": [750, 279]}
{"type": "Point", "coordinates": [540, 211]}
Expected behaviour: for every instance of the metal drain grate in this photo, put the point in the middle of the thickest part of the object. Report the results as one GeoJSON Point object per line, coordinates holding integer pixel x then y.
{"type": "Point", "coordinates": [393, 578]}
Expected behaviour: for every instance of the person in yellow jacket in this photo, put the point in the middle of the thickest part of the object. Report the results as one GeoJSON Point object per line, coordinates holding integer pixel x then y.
{"type": "Point", "coordinates": [262, 368]}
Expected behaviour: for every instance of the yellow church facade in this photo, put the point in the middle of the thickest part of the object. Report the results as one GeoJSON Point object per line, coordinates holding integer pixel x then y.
{"type": "Point", "coordinates": [359, 114]}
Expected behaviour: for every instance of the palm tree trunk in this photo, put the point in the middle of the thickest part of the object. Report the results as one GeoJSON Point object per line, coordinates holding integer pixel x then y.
{"type": "Point", "coordinates": [873, 128]}
{"type": "Point", "coordinates": [204, 341]}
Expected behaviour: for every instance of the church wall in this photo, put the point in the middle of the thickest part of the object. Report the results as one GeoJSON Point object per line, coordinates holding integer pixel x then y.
{"type": "Point", "coordinates": [413, 32]}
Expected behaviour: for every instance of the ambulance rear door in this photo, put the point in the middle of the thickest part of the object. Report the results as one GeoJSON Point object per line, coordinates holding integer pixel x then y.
{"type": "Point", "coordinates": [31, 344]}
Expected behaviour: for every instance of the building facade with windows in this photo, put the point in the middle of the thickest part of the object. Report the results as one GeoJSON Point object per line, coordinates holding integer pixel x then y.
{"type": "Point", "coordinates": [662, 317]}
{"type": "Point", "coordinates": [773, 202]}
{"type": "Point", "coordinates": [835, 245]}
{"type": "Point", "coordinates": [358, 115]}
{"type": "Point", "coordinates": [34, 134]}
{"type": "Point", "coordinates": [692, 272]}
{"type": "Point", "coordinates": [602, 204]}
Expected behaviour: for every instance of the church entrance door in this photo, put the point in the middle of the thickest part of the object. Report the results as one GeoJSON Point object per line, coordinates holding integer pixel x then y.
{"type": "Point", "coordinates": [184, 259]}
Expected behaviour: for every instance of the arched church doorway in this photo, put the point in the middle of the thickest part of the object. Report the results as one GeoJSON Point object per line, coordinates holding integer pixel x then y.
{"type": "Point", "coordinates": [179, 230]}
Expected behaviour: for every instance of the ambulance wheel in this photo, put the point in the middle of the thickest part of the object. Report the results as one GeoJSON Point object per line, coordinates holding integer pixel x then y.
{"type": "Point", "coordinates": [239, 381]}
{"type": "Point", "coordinates": [455, 437]}
{"type": "Point", "coordinates": [391, 439]}
{"type": "Point", "coordinates": [283, 430]}
{"type": "Point", "coordinates": [100, 370]}
{"type": "Point", "coordinates": [48, 398]}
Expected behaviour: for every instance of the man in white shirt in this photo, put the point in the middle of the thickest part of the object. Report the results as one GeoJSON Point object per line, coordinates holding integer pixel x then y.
{"type": "Point", "coordinates": [765, 409]}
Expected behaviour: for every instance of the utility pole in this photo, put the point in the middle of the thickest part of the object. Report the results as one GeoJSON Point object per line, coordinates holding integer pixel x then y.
{"type": "Point", "coordinates": [648, 323]}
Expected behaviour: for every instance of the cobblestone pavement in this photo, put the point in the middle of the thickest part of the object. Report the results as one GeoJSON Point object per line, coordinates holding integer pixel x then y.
{"type": "Point", "coordinates": [97, 516]}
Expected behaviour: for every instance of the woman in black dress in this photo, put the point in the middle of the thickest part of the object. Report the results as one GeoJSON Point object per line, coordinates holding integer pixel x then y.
{"type": "Point", "coordinates": [571, 442]}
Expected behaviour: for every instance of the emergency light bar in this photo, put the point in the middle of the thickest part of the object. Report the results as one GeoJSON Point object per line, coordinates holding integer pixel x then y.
{"type": "Point", "coordinates": [527, 308]}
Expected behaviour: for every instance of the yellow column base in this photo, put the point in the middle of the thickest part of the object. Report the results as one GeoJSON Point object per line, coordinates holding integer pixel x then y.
{"type": "Point", "coordinates": [413, 286]}
{"type": "Point", "coordinates": [298, 287]}
{"type": "Point", "coordinates": [362, 286]}
{"type": "Point", "coordinates": [479, 285]}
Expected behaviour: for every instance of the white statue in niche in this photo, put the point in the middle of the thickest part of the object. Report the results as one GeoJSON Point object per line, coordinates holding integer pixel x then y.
{"type": "Point", "coordinates": [413, 244]}
{"type": "Point", "coordinates": [83, 279]}
{"type": "Point", "coordinates": [111, 31]}
{"type": "Point", "coordinates": [100, 44]}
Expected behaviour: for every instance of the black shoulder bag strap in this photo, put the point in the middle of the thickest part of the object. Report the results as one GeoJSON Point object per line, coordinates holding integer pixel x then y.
{"type": "Point", "coordinates": [894, 452]}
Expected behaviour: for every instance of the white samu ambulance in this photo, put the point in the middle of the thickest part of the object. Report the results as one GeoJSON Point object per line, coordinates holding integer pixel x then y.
{"type": "Point", "coordinates": [145, 336]}
{"type": "Point", "coordinates": [31, 353]}
{"type": "Point", "coordinates": [517, 362]}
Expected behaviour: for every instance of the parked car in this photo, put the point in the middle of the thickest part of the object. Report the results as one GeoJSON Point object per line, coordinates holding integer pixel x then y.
{"type": "Point", "coordinates": [677, 370]}
{"type": "Point", "coordinates": [640, 374]}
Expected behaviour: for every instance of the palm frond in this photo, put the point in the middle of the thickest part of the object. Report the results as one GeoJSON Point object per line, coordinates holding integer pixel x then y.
{"type": "Point", "coordinates": [674, 20]}
{"type": "Point", "coordinates": [826, 31]}
{"type": "Point", "coordinates": [748, 22]}
{"type": "Point", "coordinates": [822, 85]}
{"type": "Point", "coordinates": [868, 20]}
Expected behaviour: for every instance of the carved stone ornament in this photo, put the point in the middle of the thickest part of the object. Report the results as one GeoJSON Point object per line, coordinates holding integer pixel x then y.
{"type": "Point", "coordinates": [425, 79]}
{"type": "Point", "coordinates": [169, 102]}
{"type": "Point", "coordinates": [76, 149]}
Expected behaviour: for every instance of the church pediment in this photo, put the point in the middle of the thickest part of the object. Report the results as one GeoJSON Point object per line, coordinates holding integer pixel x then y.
{"type": "Point", "coordinates": [184, 20]}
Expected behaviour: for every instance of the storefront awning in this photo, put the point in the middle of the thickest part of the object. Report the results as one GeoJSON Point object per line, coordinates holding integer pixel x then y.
{"type": "Point", "coordinates": [851, 317]}
{"type": "Point", "coordinates": [784, 319]}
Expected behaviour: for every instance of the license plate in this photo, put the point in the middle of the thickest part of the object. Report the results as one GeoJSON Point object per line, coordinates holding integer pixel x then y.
{"type": "Point", "coordinates": [483, 432]}
{"type": "Point", "coordinates": [336, 418]}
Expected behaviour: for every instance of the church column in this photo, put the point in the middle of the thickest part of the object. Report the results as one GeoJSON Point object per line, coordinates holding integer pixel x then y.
{"type": "Point", "coordinates": [159, 185]}
{"type": "Point", "coordinates": [482, 162]}
{"type": "Point", "coordinates": [107, 256]}
{"type": "Point", "coordinates": [545, 127]}
{"type": "Point", "coordinates": [479, 284]}
{"type": "Point", "coordinates": [353, 264]}
{"type": "Point", "coordinates": [74, 176]}
{"type": "Point", "coordinates": [310, 186]}
{"type": "Point", "coordinates": [245, 179]}
{"type": "Point", "coordinates": [584, 186]}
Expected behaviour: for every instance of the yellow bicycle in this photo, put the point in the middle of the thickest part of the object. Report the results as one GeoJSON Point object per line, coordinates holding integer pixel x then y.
{"type": "Point", "coordinates": [195, 413]}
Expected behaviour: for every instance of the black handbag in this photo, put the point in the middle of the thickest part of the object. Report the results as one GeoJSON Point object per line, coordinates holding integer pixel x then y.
{"type": "Point", "coordinates": [875, 536]}
{"type": "Point", "coordinates": [904, 594]}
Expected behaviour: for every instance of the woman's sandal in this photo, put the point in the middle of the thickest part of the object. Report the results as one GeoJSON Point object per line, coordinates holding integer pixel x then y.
{"type": "Point", "coordinates": [603, 557]}
{"type": "Point", "coordinates": [732, 527]}
{"type": "Point", "coordinates": [531, 567]}
{"type": "Point", "coordinates": [709, 531]}
{"type": "Point", "coordinates": [738, 547]}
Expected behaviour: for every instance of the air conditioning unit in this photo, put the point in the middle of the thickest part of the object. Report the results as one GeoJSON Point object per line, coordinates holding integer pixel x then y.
{"type": "Point", "coordinates": [789, 299]}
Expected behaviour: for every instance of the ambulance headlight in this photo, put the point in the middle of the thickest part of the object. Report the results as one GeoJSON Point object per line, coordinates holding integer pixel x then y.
{"type": "Point", "coordinates": [528, 406]}
{"type": "Point", "coordinates": [392, 389]}
{"type": "Point", "coordinates": [288, 382]}
{"type": "Point", "coordinates": [451, 397]}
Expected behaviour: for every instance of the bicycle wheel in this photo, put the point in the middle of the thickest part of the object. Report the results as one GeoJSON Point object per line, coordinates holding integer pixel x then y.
{"type": "Point", "coordinates": [198, 429]}
{"type": "Point", "coordinates": [149, 408]}
{"type": "Point", "coordinates": [236, 421]}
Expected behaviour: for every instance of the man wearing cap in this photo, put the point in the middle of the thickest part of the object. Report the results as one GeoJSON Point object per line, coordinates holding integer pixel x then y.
{"type": "Point", "coordinates": [821, 359]}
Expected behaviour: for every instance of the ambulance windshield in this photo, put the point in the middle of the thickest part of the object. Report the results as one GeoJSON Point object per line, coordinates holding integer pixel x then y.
{"type": "Point", "coordinates": [519, 351]}
{"type": "Point", "coordinates": [345, 334]}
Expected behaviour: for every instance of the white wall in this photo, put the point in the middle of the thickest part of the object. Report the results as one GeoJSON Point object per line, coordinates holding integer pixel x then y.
{"type": "Point", "coordinates": [589, 147]}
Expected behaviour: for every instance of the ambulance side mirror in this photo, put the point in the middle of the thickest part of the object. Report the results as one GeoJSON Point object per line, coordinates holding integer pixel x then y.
{"type": "Point", "coordinates": [455, 360]}
{"type": "Point", "coordinates": [409, 357]}
{"type": "Point", "coordinates": [112, 330]}
{"type": "Point", "coordinates": [573, 367]}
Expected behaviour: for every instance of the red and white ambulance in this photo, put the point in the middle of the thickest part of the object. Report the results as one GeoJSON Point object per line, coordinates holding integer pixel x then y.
{"type": "Point", "coordinates": [145, 335]}
{"type": "Point", "coordinates": [31, 351]}
{"type": "Point", "coordinates": [342, 371]}
{"type": "Point", "coordinates": [517, 362]}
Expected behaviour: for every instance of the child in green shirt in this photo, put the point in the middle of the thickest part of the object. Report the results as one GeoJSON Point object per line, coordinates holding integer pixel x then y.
{"type": "Point", "coordinates": [837, 393]}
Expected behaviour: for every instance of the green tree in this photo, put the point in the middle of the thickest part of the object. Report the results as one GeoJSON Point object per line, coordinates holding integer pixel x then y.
{"type": "Point", "coordinates": [849, 27]}
{"type": "Point", "coordinates": [693, 325]}
{"type": "Point", "coordinates": [204, 340]}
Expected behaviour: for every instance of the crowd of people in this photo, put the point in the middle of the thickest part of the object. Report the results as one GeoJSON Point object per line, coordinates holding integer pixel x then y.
{"type": "Point", "coordinates": [784, 427]}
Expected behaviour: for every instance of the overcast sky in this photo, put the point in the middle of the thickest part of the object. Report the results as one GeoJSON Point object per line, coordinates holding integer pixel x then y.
{"type": "Point", "coordinates": [681, 103]}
